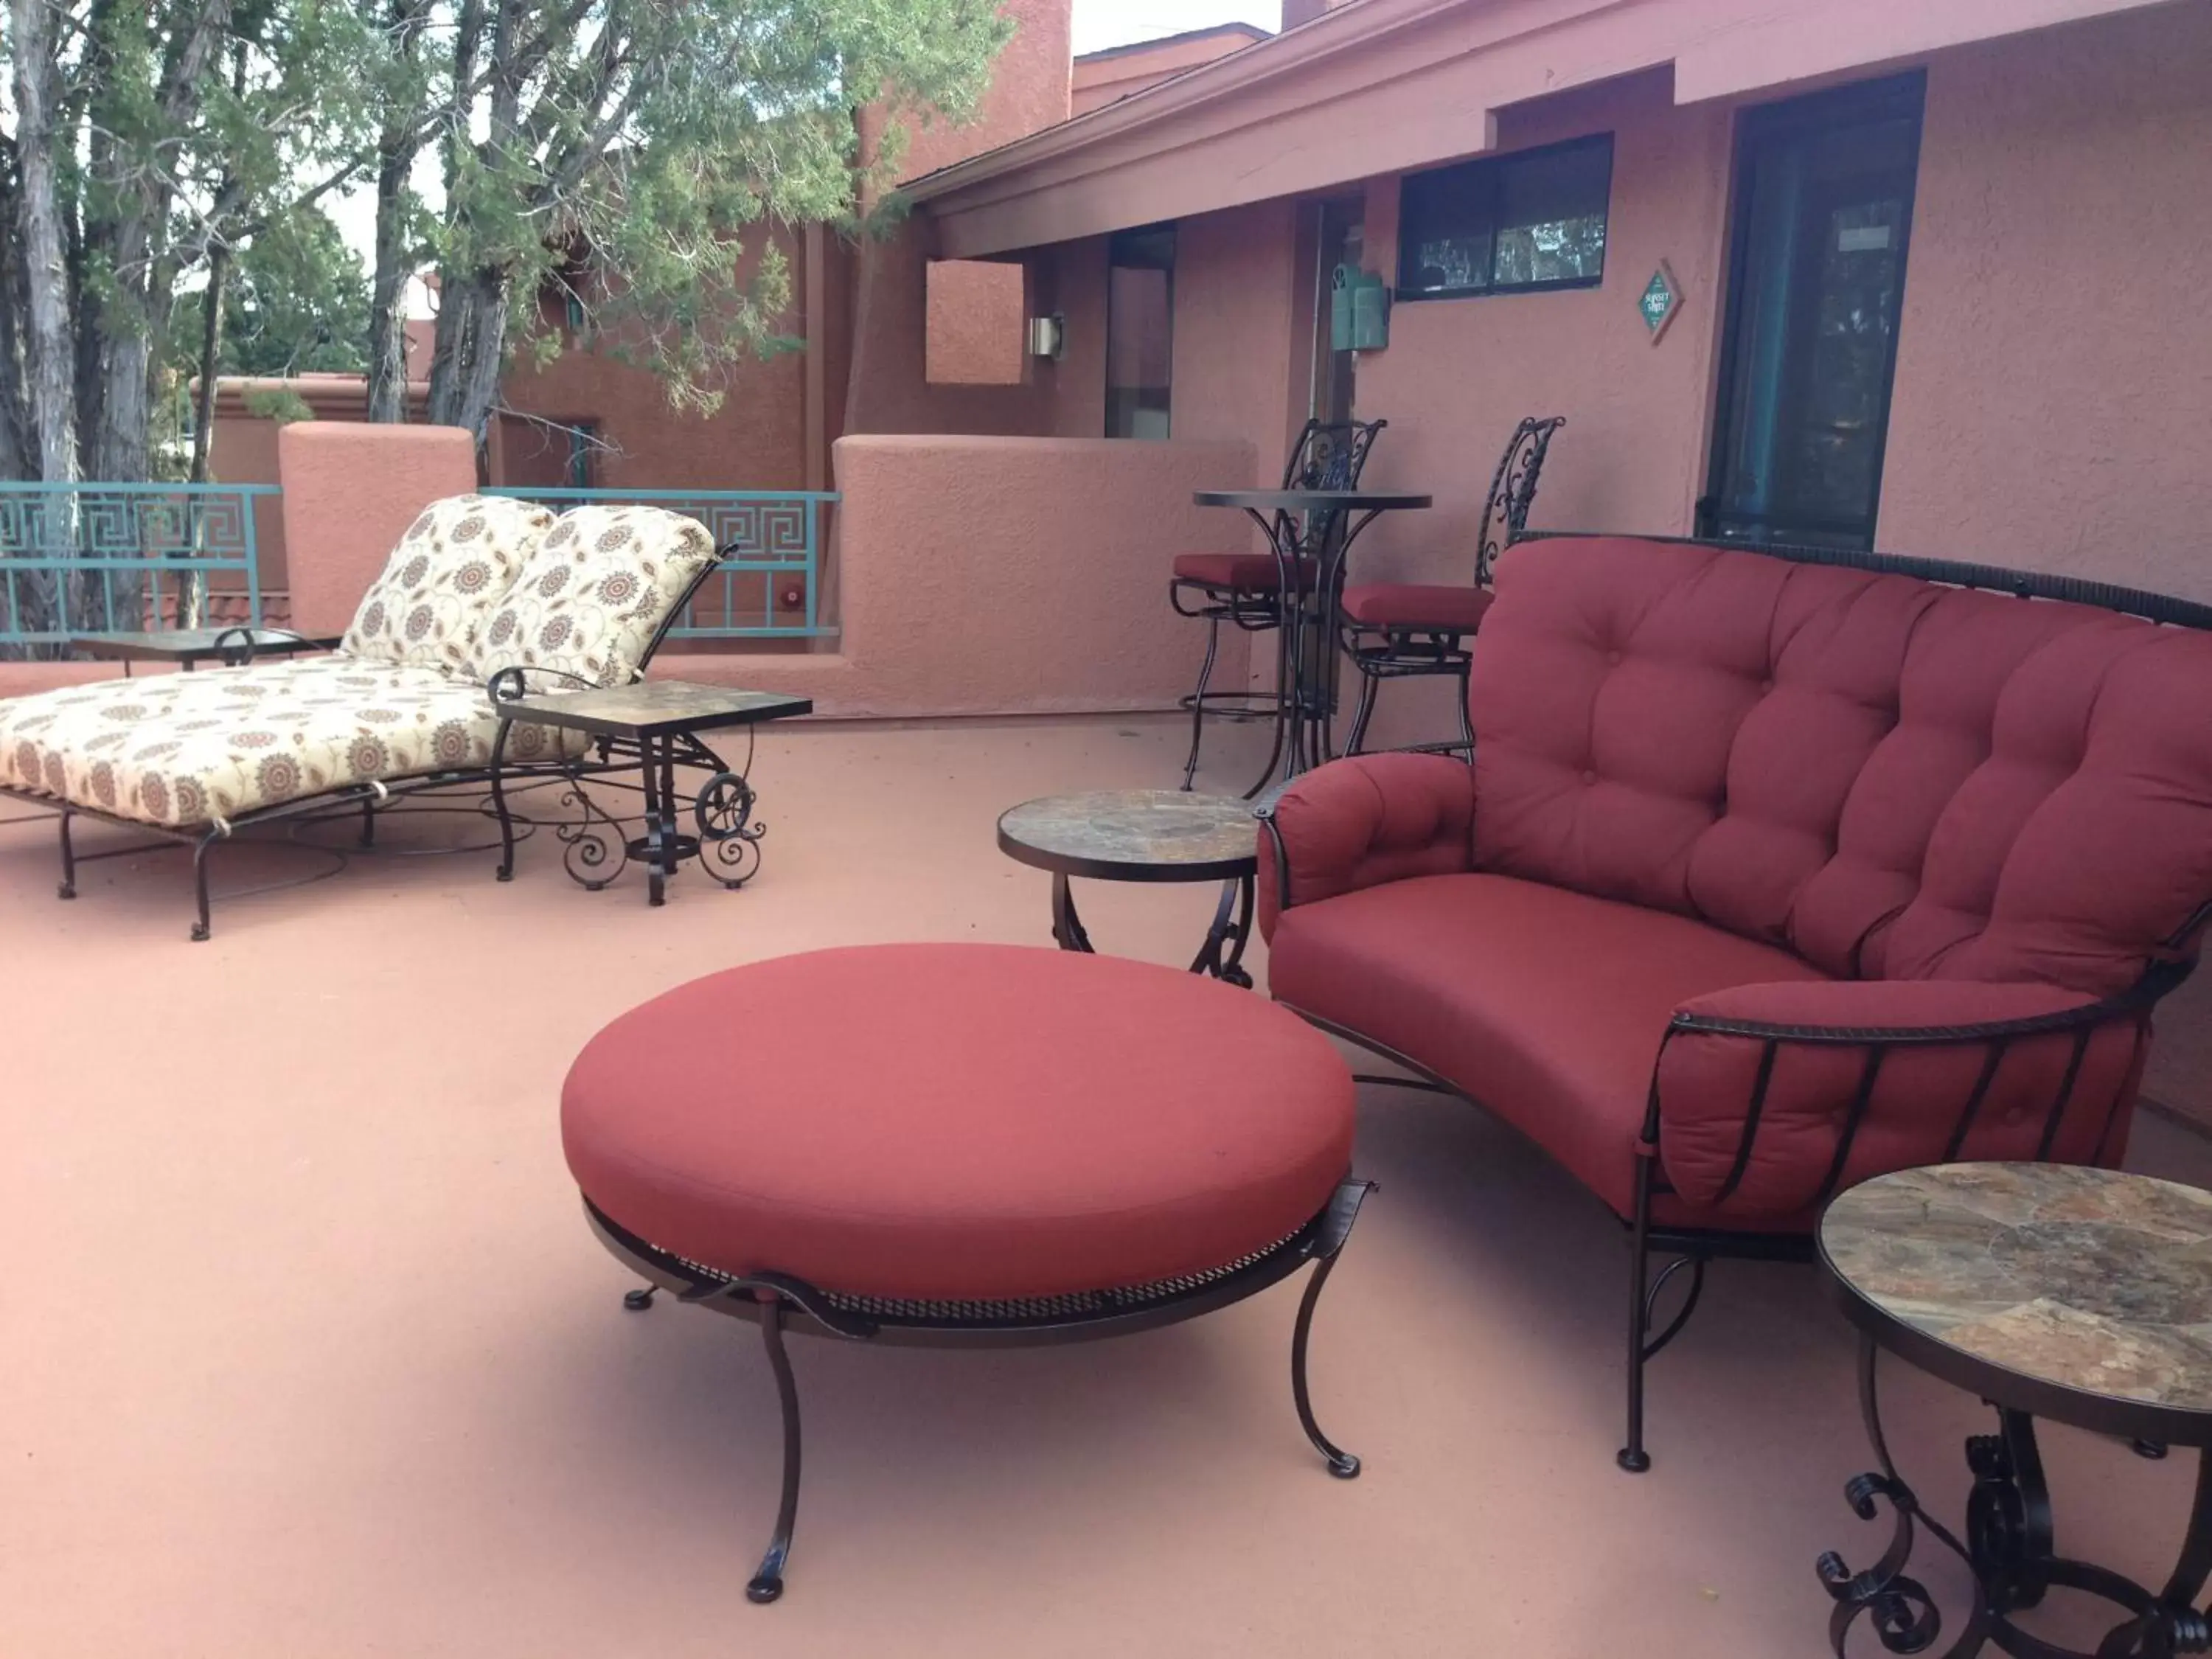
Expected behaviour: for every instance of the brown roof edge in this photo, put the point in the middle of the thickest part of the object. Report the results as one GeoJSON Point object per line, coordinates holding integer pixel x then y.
{"type": "Point", "coordinates": [1351, 24]}
{"type": "Point", "coordinates": [1251, 31]}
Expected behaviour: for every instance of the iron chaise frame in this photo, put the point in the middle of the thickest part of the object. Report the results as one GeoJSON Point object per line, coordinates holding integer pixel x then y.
{"type": "Point", "coordinates": [778, 1301]}
{"type": "Point", "coordinates": [1691, 1248]}
{"type": "Point", "coordinates": [370, 797]}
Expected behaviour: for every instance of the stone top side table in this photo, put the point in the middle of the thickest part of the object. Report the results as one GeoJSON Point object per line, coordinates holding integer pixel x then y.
{"type": "Point", "coordinates": [1144, 835]}
{"type": "Point", "coordinates": [2081, 1296]}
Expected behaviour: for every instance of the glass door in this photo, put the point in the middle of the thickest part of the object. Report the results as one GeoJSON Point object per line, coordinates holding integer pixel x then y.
{"type": "Point", "coordinates": [1823, 217]}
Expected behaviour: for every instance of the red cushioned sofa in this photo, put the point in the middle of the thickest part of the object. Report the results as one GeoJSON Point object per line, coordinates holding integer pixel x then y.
{"type": "Point", "coordinates": [1774, 870]}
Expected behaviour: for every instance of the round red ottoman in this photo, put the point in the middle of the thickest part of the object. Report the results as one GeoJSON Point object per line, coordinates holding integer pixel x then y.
{"type": "Point", "coordinates": [962, 1144]}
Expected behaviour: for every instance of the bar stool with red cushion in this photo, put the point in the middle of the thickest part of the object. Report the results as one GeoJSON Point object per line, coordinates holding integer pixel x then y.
{"type": "Point", "coordinates": [1246, 589]}
{"type": "Point", "coordinates": [1404, 630]}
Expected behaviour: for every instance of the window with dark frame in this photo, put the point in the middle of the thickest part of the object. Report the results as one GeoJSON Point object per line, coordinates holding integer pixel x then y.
{"type": "Point", "coordinates": [1506, 224]}
{"type": "Point", "coordinates": [1139, 331]}
{"type": "Point", "coordinates": [583, 444]}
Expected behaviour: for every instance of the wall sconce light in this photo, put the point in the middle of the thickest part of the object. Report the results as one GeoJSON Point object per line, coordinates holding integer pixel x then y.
{"type": "Point", "coordinates": [1048, 336]}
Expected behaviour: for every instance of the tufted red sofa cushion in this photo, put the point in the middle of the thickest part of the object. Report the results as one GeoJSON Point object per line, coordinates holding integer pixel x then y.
{"type": "Point", "coordinates": [1891, 778]}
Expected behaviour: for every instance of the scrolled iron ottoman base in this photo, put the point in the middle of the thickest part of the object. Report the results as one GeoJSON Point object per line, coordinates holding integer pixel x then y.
{"type": "Point", "coordinates": [948, 1146]}
{"type": "Point", "coordinates": [778, 1304]}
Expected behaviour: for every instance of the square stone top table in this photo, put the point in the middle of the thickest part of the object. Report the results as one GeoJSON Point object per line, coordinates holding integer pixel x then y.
{"type": "Point", "coordinates": [185, 647]}
{"type": "Point", "coordinates": [653, 708]}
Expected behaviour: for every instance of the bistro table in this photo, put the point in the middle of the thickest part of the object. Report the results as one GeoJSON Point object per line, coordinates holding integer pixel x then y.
{"type": "Point", "coordinates": [1144, 835]}
{"type": "Point", "coordinates": [651, 727]}
{"type": "Point", "coordinates": [2081, 1295]}
{"type": "Point", "coordinates": [187, 648]}
{"type": "Point", "coordinates": [1305, 677]}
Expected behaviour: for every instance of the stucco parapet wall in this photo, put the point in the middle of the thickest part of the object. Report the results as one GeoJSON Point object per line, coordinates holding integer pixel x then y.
{"type": "Point", "coordinates": [1380, 86]}
{"type": "Point", "coordinates": [1012, 575]}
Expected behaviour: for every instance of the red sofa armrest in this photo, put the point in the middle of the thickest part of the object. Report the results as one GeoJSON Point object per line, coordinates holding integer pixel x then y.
{"type": "Point", "coordinates": [1769, 1099]}
{"type": "Point", "coordinates": [1362, 821]}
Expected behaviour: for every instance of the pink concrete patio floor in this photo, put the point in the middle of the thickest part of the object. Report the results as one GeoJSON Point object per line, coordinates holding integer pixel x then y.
{"type": "Point", "coordinates": [305, 1349]}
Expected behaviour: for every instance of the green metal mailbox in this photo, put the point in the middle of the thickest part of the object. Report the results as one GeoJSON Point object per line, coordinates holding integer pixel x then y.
{"type": "Point", "coordinates": [1359, 311]}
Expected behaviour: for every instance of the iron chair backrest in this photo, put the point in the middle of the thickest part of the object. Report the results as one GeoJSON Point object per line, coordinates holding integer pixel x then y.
{"type": "Point", "coordinates": [1328, 455]}
{"type": "Point", "coordinates": [1513, 490]}
{"type": "Point", "coordinates": [1331, 454]}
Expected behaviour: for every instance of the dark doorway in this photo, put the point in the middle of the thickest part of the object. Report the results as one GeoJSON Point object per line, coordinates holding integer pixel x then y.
{"type": "Point", "coordinates": [1822, 220]}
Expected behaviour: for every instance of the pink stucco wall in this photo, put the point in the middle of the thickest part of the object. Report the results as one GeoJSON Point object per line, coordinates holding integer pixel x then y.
{"type": "Point", "coordinates": [2053, 405]}
{"type": "Point", "coordinates": [350, 491]}
{"type": "Point", "coordinates": [889, 386]}
{"type": "Point", "coordinates": [1459, 373]}
{"type": "Point", "coordinates": [987, 575]}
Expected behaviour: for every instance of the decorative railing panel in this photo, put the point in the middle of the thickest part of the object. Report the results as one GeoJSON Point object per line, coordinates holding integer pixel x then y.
{"type": "Point", "coordinates": [769, 583]}
{"type": "Point", "coordinates": [109, 558]}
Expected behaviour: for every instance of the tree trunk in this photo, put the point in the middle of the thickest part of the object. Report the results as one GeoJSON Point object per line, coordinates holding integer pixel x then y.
{"type": "Point", "coordinates": [465, 368]}
{"type": "Point", "coordinates": [387, 305]}
{"type": "Point", "coordinates": [16, 447]}
{"type": "Point", "coordinates": [191, 592]}
{"type": "Point", "coordinates": [396, 147]}
{"type": "Point", "coordinates": [48, 364]}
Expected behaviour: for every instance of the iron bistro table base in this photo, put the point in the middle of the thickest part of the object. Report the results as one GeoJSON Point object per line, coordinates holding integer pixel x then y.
{"type": "Point", "coordinates": [2010, 1548]}
{"type": "Point", "coordinates": [653, 724]}
{"type": "Point", "coordinates": [1148, 835]}
{"type": "Point", "coordinates": [1320, 524]}
{"type": "Point", "coordinates": [2051, 1291]}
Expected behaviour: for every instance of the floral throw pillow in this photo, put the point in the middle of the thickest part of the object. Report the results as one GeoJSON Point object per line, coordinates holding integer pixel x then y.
{"type": "Point", "coordinates": [590, 599]}
{"type": "Point", "coordinates": [450, 571]}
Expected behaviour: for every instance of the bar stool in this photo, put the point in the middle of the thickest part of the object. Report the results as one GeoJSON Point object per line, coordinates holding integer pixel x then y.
{"type": "Point", "coordinates": [1246, 589]}
{"type": "Point", "coordinates": [1402, 630]}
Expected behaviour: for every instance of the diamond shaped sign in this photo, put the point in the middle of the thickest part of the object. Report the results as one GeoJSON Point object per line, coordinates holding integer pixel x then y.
{"type": "Point", "coordinates": [1661, 298]}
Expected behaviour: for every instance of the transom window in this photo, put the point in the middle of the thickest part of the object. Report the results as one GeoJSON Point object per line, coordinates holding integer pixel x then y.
{"type": "Point", "coordinates": [1506, 224]}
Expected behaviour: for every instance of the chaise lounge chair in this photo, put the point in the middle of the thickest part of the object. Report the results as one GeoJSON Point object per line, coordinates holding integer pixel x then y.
{"type": "Point", "coordinates": [478, 587]}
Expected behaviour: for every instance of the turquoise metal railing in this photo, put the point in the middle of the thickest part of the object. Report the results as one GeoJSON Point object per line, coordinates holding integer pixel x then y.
{"type": "Point", "coordinates": [91, 558]}
{"type": "Point", "coordinates": [769, 583]}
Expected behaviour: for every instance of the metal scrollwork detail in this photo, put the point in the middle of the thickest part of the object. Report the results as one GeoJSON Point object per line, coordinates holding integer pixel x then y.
{"type": "Point", "coordinates": [595, 847]}
{"type": "Point", "coordinates": [729, 837]}
{"type": "Point", "coordinates": [1904, 1615]}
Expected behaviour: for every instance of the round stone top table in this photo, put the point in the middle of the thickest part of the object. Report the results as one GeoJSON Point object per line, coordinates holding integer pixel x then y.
{"type": "Point", "coordinates": [966, 1145]}
{"type": "Point", "coordinates": [2083, 1296]}
{"type": "Point", "coordinates": [1144, 835]}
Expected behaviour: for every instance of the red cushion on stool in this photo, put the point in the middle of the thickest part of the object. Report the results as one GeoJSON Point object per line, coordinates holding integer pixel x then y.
{"type": "Point", "coordinates": [959, 1122]}
{"type": "Point", "coordinates": [1406, 604]}
{"type": "Point", "coordinates": [1248, 572]}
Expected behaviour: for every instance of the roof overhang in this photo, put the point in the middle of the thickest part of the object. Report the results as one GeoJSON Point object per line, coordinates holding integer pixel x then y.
{"type": "Point", "coordinates": [1377, 87]}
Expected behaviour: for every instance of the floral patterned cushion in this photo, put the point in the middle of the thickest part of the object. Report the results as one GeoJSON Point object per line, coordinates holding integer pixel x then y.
{"type": "Point", "coordinates": [442, 582]}
{"type": "Point", "coordinates": [589, 601]}
{"type": "Point", "coordinates": [182, 750]}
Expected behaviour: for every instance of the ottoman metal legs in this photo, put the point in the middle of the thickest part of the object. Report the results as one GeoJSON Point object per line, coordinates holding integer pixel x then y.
{"type": "Point", "coordinates": [776, 1302]}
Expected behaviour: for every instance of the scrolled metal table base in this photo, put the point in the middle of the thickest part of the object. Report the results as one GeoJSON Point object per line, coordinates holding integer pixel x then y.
{"type": "Point", "coordinates": [1221, 956]}
{"type": "Point", "coordinates": [2010, 1548]}
{"type": "Point", "coordinates": [598, 845]}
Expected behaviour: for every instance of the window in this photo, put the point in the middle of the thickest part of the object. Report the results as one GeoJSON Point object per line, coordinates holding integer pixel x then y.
{"type": "Point", "coordinates": [583, 444]}
{"type": "Point", "coordinates": [1139, 331]}
{"type": "Point", "coordinates": [1506, 224]}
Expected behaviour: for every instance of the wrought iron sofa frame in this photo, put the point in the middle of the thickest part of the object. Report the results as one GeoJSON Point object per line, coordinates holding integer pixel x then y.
{"type": "Point", "coordinates": [1694, 1248]}
{"type": "Point", "coordinates": [371, 797]}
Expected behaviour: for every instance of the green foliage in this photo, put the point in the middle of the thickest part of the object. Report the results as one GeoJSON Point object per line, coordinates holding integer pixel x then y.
{"type": "Point", "coordinates": [295, 302]}
{"type": "Point", "coordinates": [278, 404]}
{"type": "Point", "coordinates": [636, 150]}
{"type": "Point", "coordinates": [637, 161]}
